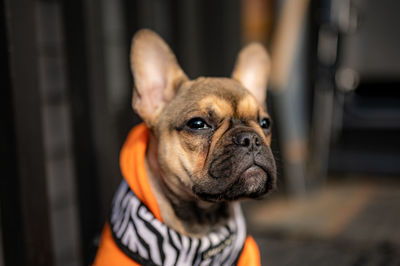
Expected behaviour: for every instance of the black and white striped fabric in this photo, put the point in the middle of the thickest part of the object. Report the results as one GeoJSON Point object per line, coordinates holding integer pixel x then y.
{"type": "Point", "coordinates": [150, 242]}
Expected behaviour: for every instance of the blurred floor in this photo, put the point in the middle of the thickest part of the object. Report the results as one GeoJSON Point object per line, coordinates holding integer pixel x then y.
{"type": "Point", "coordinates": [354, 220]}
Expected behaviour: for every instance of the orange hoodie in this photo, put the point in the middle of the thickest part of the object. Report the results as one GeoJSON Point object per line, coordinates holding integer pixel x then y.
{"type": "Point", "coordinates": [133, 170]}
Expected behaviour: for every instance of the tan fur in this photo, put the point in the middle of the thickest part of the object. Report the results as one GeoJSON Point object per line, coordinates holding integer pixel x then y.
{"type": "Point", "coordinates": [248, 107]}
{"type": "Point", "coordinates": [221, 107]}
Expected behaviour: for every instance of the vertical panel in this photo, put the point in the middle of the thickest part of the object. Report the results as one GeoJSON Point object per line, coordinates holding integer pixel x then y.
{"type": "Point", "coordinates": [106, 148]}
{"type": "Point", "coordinates": [190, 41]}
{"type": "Point", "coordinates": [82, 131]}
{"type": "Point", "coordinates": [28, 131]}
{"type": "Point", "coordinates": [60, 168]}
{"type": "Point", "coordinates": [11, 217]}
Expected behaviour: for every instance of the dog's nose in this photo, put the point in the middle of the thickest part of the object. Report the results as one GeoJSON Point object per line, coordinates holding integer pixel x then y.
{"type": "Point", "coordinates": [250, 140]}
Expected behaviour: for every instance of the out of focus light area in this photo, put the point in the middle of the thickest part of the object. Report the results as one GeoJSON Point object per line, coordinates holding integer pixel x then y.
{"type": "Point", "coordinates": [333, 94]}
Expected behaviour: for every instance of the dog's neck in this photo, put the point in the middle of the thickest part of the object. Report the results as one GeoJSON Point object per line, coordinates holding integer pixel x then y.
{"type": "Point", "coordinates": [183, 212]}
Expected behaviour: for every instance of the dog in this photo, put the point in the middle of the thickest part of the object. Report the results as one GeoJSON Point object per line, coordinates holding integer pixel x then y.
{"type": "Point", "coordinates": [204, 146]}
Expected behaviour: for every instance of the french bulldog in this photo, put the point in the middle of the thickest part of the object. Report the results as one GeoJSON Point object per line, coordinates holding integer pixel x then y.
{"type": "Point", "coordinates": [208, 146]}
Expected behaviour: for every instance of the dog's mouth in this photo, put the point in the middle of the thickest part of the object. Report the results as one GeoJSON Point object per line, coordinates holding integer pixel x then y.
{"type": "Point", "coordinates": [254, 181]}
{"type": "Point", "coordinates": [252, 176]}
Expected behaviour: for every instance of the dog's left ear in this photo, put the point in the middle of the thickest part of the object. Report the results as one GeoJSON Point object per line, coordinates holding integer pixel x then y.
{"type": "Point", "coordinates": [156, 74]}
{"type": "Point", "coordinates": [252, 70]}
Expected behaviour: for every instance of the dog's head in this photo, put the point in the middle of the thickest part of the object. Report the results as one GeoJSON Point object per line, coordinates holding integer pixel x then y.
{"type": "Point", "coordinates": [213, 134]}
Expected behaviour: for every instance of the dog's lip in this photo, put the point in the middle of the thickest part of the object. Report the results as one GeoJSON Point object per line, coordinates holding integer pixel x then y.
{"type": "Point", "coordinates": [253, 174]}
{"type": "Point", "coordinates": [255, 165]}
{"type": "Point", "coordinates": [254, 168]}
{"type": "Point", "coordinates": [270, 180]}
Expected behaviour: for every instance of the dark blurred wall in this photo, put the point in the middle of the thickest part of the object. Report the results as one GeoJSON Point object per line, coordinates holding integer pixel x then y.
{"type": "Point", "coordinates": [205, 35]}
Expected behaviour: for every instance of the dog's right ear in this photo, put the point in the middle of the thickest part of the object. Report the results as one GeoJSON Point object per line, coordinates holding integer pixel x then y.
{"type": "Point", "coordinates": [156, 75]}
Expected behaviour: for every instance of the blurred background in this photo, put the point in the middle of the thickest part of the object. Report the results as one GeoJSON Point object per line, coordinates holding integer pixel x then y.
{"type": "Point", "coordinates": [334, 96]}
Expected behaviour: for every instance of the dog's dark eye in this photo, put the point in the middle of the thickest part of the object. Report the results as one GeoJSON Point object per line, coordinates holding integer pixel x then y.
{"type": "Point", "coordinates": [197, 123]}
{"type": "Point", "coordinates": [265, 123]}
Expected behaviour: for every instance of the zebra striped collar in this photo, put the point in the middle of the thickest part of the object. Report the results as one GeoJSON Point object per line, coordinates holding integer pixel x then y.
{"type": "Point", "coordinates": [148, 241]}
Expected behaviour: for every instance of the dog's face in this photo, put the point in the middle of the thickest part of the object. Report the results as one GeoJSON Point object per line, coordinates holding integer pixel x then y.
{"type": "Point", "coordinates": [213, 134]}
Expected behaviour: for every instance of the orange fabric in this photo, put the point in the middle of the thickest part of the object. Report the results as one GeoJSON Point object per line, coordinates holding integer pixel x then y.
{"type": "Point", "coordinates": [132, 165]}
{"type": "Point", "coordinates": [250, 255]}
{"type": "Point", "coordinates": [109, 253]}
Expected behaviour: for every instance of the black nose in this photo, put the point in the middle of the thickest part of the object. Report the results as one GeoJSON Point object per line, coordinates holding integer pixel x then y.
{"type": "Point", "coordinates": [250, 140]}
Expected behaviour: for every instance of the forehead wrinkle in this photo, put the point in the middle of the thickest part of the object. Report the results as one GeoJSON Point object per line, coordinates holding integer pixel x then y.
{"type": "Point", "coordinates": [218, 105]}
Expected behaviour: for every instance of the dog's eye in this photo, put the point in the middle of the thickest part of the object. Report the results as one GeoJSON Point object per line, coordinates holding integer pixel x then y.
{"type": "Point", "coordinates": [265, 123]}
{"type": "Point", "coordinates": [197, 123]}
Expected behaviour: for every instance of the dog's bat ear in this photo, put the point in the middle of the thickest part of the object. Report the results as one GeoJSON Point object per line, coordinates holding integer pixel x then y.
{"type": "Point", "coordinates": [252, 69]}
{"type": "Point", "coordinates": [156, 75]}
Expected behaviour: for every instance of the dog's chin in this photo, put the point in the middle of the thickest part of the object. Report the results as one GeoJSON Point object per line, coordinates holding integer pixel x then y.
{"type": "Point", "coordinates": [253, 183]}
